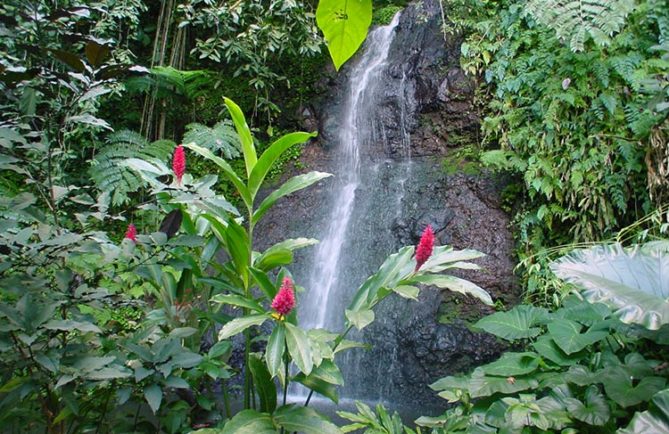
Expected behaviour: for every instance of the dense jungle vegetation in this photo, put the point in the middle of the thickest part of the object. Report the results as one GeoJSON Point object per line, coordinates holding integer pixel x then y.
{"type": "Point", "coordinates": [136, 136]}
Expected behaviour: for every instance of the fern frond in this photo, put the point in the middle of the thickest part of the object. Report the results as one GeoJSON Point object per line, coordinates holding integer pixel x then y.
{"type": "Point", "coordinates": [574, 20]}
{"type": "Point", "coordinates": [167, 81]}
{"type": "Point", "coordinates": [111, 176]}
{"type": "Point", "coordinates": [222, 137]}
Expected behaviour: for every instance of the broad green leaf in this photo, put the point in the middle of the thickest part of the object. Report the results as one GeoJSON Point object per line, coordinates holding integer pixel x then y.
{"type": "Point", "coordinates": [451, 383]}
{"type": "Point", "coordinates": [632, 280]}
{"type": "Point", "coordinates": [282, 253]}
{"type": "Point", "coordinates": [291, 186]}
{"type": "Point", "coordinates": [154, 396]}
{"type": "Point", "coordinates": [273, 258]}
{"type": "Point", "coordinates": [512, 364]}
{"type": "Point", "coordinates": [483, 385]}
{"type": "Point", "coordinates": [250, 422]}
{"type": "Point", "coordinates": [346, 344]}
{"type": "Point", "coordinates": [396, 267]}
{"type": "Point", "coordinates": [186, 359]}
{"type": "Point", "coordinates": [220, 349]}
{"type": "Point", "coordinates": [407, 291]}
{"type": "Point", "coordinates": [176, 382]}
{"type": "Point", "coordinates": [303, 420]}
{"type": "Point", "coordinates": [141, 373]}
{"type": "Point", "coordinates": [328, 371]}
{"type": "Point", "coordinates": [227, 170]}
{"type": "Point", "coordinates": [445, 257]}
{"type": "Point", "coordinates": [237, 300]}
{"type": "Point", "coordinates": [271, 154]}
{"type": "Point", "coordinates": [276, 346]}
{"type": "Point", "coordinates": [240, 324]}
{"type": "Point", "coordinates": [299, 347]}
{"type": "Point", "coordinates": [92, 363]}
{"type": "Point", "coordinates": [13, 384]}
{"type": "Point", "coordinates": [518, 323]}
{"type": "Point", "coordinates": [547, 348]}
{"type": "Point", "coordinates": [361, 318]}
{"type": "Point", "coordinates": [245, 137]}
{"type": "Point", "coordinates": [654, 420]}
{"type": "Point", "coordinates": [70, 325]}
{"type": "Point", "coordinates": [619, 386]}
{"type": "Point", "coordinates": [585, 313]}
{"type": "Point", "coordinates": [595, 411]}
{"type": "Point", "coordinates": [567, 335]}
{"type": "Point", "coordinates": [108, 373]}
{"type": "Point", "coordinates": [455, 284]}
{"type": "Point", "coordinates": [582, 376]}
{"type": "Point", "coordinates": [344, 25]}
{"type": "Point", "coordinates": [319, 386]}
{"type": "Point", "coordinates": [262, 380]}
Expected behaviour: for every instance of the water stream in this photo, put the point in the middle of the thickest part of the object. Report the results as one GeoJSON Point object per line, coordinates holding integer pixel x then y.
{"type": "Point", "coordinates": [373, 180]}
{"type": "Point", "coordinates": [358, 128]}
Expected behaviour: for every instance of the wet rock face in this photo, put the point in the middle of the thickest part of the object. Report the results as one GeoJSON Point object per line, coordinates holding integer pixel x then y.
{"type": "Point", "coordinates": [424, 112]}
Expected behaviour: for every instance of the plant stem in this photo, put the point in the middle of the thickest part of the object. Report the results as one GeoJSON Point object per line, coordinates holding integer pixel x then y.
{"type": "Point", "coordinates": [286, 378]}
{"type": "Point", "coordinates": [306, 403]}
{"type": "Point", "coordinates": [247, 336]}
{"type": "Point", "coordinates": [226, 400]}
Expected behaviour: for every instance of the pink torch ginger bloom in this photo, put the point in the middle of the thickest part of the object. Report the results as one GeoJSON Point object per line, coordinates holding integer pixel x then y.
{"type": "Point", "coordinates": [131, 233]}
{"type": "Point", "coordinates": [179, 163]}
{"type": "Point", "coordinates": [425, 246]}
{"type": "Point", "coordinates": [284, 301]}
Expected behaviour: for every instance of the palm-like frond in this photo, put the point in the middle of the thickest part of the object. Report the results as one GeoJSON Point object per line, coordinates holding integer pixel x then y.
{"type": "Point", "coordinates": [222, 137]}
{"type": "Point", "coordinates": [111, 176]}
{"type": "Point", "coordinates": [574, 20]}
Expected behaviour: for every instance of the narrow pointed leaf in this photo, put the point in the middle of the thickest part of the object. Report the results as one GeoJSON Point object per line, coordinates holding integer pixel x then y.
{"type": "Point", "coordinates": [228, 171]}
{"type": "Point", "coordinates": [271, 154]}
{"type": "Point", "coordinates": [291, 186]}
{"type": "Point", "coordinates": [245, 137]}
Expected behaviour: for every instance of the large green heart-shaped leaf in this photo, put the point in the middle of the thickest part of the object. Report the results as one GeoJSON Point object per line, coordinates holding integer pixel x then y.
{"type": "Point", "coordinates": [513, 364]}
{"type": "Point", "coordinates": [344, 25]}
{"type": "Point", "coordinates": [634, 280]}
{"type": "Point", "coordinates": [567, 335]}
{"type": "Point", "coordinates": [517, 323]}
{"type": "Point", "coordinates": [595, 411]}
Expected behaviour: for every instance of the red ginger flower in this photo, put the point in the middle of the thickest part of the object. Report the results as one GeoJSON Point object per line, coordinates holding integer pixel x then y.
{"type": "Point", "coordinates": [425, 246]}
{"type": "Point", "coordinates": [284, 301]}
{"type": "Point", "coordinates": [179, 162]}
{"type": "Point", "coordinates": [131, 233]}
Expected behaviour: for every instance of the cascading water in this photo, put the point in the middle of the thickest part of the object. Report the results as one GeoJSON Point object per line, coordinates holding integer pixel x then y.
{"type": "Point", "coordinates": [366, 198]}
{"type": "Point", "coordinates": [357, 129]}
{"type": "Point", "coordinates": [386, 121]}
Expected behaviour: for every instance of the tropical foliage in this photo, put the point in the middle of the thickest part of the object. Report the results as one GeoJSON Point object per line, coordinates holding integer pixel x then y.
{"type": "Point", "coordinates": [133, 294]}
{"type": "Point", "coordinates": [576, 117]}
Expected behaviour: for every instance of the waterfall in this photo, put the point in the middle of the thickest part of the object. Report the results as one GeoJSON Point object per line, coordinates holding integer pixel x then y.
{"type": "Point", "coordinates": [324, 305]}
